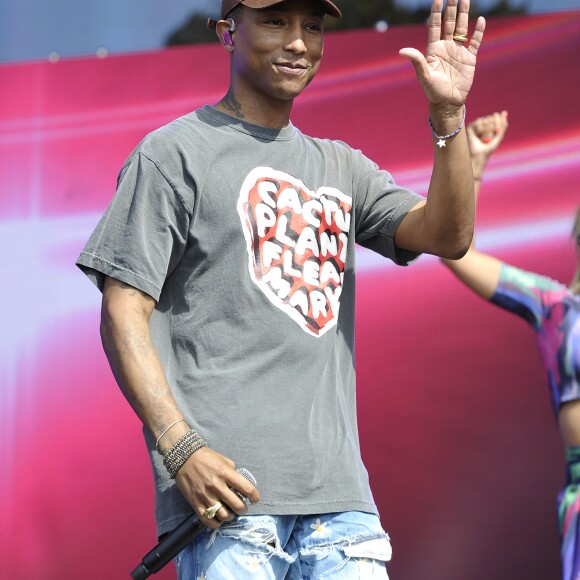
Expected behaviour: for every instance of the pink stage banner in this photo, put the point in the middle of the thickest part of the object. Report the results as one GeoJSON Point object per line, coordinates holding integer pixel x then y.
{"type": "Point", "coordinates": [455, 420]}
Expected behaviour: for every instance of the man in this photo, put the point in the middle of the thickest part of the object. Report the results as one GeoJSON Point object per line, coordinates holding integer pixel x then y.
{"type": "Point", "coordinates": [226, 261]}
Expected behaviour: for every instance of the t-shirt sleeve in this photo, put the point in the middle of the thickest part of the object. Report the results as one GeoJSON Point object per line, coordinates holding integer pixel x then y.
{"type": "Point", "coordinates": [380, 206]}
{"type": "Point", "coordinates": [523, 293]}
{"type": "Point", "coordinates": [143, 233]}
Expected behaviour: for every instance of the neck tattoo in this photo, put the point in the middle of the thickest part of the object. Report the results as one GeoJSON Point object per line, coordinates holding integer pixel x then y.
{"type": "Point", "coordinates": [232, 104]}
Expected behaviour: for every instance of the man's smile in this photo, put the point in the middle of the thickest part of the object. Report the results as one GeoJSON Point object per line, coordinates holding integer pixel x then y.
{"type": "Point", "coordinates": [291, 68]}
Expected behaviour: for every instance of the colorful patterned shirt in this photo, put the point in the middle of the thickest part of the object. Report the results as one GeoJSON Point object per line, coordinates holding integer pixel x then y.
{"type": "Point", "coordinates": [554, 314]}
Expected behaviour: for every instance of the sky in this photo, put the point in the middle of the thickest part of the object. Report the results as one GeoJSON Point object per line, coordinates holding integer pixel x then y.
{"type": "Point", "coordinates": [35, 29]}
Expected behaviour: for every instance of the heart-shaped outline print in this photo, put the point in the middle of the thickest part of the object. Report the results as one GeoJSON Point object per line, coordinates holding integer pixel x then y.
{"type": "Point", "coordinates": [297, 242]}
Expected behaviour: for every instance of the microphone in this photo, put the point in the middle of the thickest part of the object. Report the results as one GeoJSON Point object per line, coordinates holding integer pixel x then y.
{"type": "Point", "coordinates": [176, 540]}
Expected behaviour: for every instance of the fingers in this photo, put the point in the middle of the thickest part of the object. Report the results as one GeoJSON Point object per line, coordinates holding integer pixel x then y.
{"type": "Point", "coordinates": [213, 515]}
{"type": "Point", "coordinates": [461, 21]}
{"type": "Point", "coordinates": [455, 20]}
{"type": "Point", "coordinates": [224, 514]}
{"type": "Point", "coordinates": [481, 126]}
{"type": "Point", "coordinates": [435, 21]}
{"type": "Point", "coordinates": [477, 36]}
{"type": "Point", "coordinates": [230, 502]}
{"type": "Point", "coordinates": [213, 488]}
{"type": "Point", "coordinates": [500, 121]}
{"type": "Point", "coordinates": [488, 127]}
{"type": "Point", "coordinates": [485, 128]}
{"type": "Point", "coordinates": [240, 485]}
{"type": "Point", "coordinates": [484, 136]}
{"type": "Point", "coordinates": [450, 19]}
{"type": "Point", "coordinates": [215, 511]}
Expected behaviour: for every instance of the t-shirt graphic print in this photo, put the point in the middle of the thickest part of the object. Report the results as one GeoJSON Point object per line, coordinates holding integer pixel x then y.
{"type": "Point", "coordinates": [297, 241]}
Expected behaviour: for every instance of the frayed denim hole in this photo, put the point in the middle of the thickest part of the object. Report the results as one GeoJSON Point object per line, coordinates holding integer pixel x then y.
{"type": "Point", "coordinates": [256, 539]}
{"type": "Point", "coordinates": [322, 551]}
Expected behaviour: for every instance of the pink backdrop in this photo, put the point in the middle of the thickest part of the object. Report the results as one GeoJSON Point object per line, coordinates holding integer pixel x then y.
{"type": "Point", "coordinates": [455, 420]}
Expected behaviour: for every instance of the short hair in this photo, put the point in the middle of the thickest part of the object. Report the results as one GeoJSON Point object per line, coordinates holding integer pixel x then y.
{"type": "Point", "coordinates": [236, 13]}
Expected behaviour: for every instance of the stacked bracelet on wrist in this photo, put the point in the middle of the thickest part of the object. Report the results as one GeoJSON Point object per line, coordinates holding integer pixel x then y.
{"type": "Point", "coordinates": [186, 446]}
{"type": "Point", "coordinates": [442, 138]}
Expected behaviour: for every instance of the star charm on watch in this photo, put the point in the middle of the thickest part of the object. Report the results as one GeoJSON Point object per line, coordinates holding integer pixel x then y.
{"type": "Point", "coordinates": [441, 143]}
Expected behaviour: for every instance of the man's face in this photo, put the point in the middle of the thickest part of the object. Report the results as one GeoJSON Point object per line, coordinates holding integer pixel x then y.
{"type": "Point", "coordinates": [277, 50]}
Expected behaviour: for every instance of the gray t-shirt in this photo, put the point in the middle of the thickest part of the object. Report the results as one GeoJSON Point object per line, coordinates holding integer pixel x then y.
{"type": "Point", "coordinates": [244, 237]}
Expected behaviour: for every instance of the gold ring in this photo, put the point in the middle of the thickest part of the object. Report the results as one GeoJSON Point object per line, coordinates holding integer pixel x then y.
{"type": "Point", "coordinates": [210, 512]}
{"type": "Point", "coordinates": [460, 38]}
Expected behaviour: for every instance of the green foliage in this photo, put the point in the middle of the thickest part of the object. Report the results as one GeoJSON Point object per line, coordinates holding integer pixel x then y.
{"type": "Point", "coordinates": [365, 14]}
{"type": "Point", "coordinates": [356, 14]}
{"type": "Point", "coordinates": [504, 8]}
{"type": "Point", "coordinates": [194, 31]}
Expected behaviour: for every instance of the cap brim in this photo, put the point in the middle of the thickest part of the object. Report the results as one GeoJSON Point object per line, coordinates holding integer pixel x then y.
{"type": "Point", "coordinates": [329, 8]}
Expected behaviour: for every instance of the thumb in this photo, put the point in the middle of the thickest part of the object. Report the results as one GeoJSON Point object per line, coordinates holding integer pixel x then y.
{"type": "Point", "coordinates": [470, 129]}
{"type": "Point", "coordinates": [494, 142]}
{"type": "Point", "coordinates": [417, 60]}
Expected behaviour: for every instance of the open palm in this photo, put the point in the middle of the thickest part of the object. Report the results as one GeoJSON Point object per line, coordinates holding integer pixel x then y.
{"type": "Point", "coordinates": [447, 69]}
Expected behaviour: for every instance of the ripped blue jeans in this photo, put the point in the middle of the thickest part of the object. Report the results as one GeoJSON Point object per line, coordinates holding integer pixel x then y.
{"type": "Point", "coordinates": [341, 546]}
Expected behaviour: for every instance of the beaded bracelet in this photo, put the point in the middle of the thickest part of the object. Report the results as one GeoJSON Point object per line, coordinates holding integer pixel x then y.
{"type": "Point", "coordinates": [186, 446]}
{"type": "Point", "coordinates": [443, 138]}
{"type": "Point", "coordinates": [180, 447]}
{"type": "Point", "coordinates": [181, 451]}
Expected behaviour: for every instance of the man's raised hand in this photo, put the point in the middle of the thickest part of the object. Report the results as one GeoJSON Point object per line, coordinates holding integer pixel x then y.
{"type": "Point", "coordinates": [447, 69]}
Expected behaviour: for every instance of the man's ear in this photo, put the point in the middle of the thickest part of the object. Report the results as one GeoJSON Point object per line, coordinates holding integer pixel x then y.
{"type": "Point", "coordinates": [224, 30]}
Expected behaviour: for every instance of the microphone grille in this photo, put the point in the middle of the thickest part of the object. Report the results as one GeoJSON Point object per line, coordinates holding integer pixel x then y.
{"type": "Point", "coordinates": [247, 475]}
{"type": "Point", "coordinates": [250, 478]}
